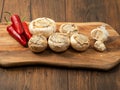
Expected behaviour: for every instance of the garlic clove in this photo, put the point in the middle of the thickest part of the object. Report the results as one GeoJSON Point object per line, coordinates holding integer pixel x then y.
{"type": "Point", "coordinates": [100, 34]}
{"type": "Point", "coordinates": [100, 46]}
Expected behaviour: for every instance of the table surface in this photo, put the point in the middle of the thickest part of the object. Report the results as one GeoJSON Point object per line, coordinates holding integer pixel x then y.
{"type": "Point", "coordinates": [56, 78]}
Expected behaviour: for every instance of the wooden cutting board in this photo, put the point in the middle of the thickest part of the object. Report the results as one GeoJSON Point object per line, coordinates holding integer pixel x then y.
{"type": "Point", "coordinates": [13, 54]}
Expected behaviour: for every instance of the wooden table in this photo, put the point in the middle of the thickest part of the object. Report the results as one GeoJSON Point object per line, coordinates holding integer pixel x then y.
{"type": "Point", "coordinates": [56, 78]}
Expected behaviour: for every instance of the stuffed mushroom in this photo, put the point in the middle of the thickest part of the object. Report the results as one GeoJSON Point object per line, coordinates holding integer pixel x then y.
{"type": "Point", "coordinates": [79, 42]}
{"type": "Point", "coordinates": [69, 28]}
{"type": "Point", "coordinates": [37, 43]}
{"type": "Point", "coordinates": [45, 26]}
{"type": "Point", "coordinates": [59, 42]}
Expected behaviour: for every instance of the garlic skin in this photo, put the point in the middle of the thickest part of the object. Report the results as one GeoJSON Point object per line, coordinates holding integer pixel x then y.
{"type": "Point", "coordinates": [79, 42]}
{"type": "Point", "coordinates": [100, 34]}
{"type": "Point", "coordinates": [100, 46]}
{"type": "Point", "coordinates": [37, 43]}
{"type": "Point", "coordinates": [69, 28]}
{"type": "Point", "coordinates": [45, 26]}
{"type": "Point", "coordinates": [59, 42]}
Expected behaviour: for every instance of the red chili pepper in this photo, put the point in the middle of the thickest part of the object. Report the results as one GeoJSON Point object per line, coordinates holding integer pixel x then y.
{"type": "Point", "coordinates": [26, 30]}
{"type": "Point", "coordinates": [17, 24]}
{"type": "Point", "coordinates": [21, 39]}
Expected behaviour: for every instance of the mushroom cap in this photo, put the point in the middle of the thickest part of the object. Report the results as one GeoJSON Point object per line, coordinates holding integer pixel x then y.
{"type": "Point", "coordinates": [59, 42]}
{"type": "Point", "coordinates": [69, 28]}
{"type": "Point", "coordinates": [37, 43]}
{"type": "Point", "coordinates": [45, 26]}
{"type": "Point", "coordinates": [79, 42]}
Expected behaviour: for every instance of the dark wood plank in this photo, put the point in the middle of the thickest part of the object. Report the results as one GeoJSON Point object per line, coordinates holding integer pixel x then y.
{"type": "Point", "coordinates": [1, 8]}
{"type": "Point", "coordinates": [33, 78]}
{"type": "Point", "coordinates": [54, 9]}
{"type": "Point", "coordinates": [79, 80]}
{"type": "Point", "coordinates": [20, 7]}
{"type": "Point", "coordinates": [94, 80]}
{"type": "Point", "coordinates": [105, 80]}
{"type": "Point", "coordinates": [112, 13]}
{"type": "Point", "coordinates": [94, 10]}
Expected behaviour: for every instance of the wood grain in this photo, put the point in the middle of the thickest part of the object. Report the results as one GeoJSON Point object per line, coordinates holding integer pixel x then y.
{"type": "Point", "coordinates": [50, 8]}
{"type": "Point", "coordinates": [33, 78]}
{"type": "Point", "coordinates": [91, 10]}
{"type": "Point", "coordinates": [16, 55]}
{"type": "Point", "coordinates": [1, 8]}
{"type": "Point", "coordinates": [94, 10]}
{"type": "Point", "coordinates": [21, 8]}
{"type": "Point", "coordinates": [46, 78]}
{"type": "Point", "coordinates": [54, 9]}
